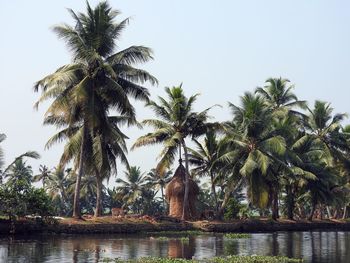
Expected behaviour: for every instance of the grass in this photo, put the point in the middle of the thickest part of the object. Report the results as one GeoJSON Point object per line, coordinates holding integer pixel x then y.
{"type": "Point", "coordinates": [236, 235]}
{"type": "Point", "coordinates": [230, 259]}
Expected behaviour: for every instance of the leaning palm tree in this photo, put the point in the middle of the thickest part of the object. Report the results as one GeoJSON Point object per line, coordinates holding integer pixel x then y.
{"type": "Point", "coordinates": [97, 81]}
{"type": "Point", "coordinates": [132, 188]}
{"type": "Point", "coordinates": [6, 171]}
{"type": "Point", "coordinates": [158, 181]}
{"type": "Point", "coordinates": [177, 121]}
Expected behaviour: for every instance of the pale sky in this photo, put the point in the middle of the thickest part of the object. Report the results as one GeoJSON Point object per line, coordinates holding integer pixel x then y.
{"type": "Point", "coordinates": [217, 48]}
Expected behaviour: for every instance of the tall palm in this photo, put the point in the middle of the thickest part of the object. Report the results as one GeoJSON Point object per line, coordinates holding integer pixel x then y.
{"type": "Point", "coordinates": [252, 147]}
{"type": "Point", "coordinates": [96, 82]}
{"type": "Point", "coordinates": [294, 167]}
{"type": "Point", "coordinates": [159, 180]}
{"type": "Point", "coordinates": [278, 95]}
{"type": "Point", "coordinates": [43, 176]}
{"type": "Point", "coordinates": [177, 121]}
{"type": "Point", "coordinates": [205, 159]}
{"type": "Point", "coordinates": [131, 188]}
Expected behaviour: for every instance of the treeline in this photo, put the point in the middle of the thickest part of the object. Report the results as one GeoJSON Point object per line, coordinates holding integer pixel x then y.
{"type": "Point", "coordinates": [289, 158]}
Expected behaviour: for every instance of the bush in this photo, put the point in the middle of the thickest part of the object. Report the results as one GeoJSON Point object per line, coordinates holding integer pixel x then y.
{"type": "Point", "coordinates": [39, 203]}
{"type": "Point", "coordinates": [27, 201]}
{"type": "Point", "coordinates": [232, 209]}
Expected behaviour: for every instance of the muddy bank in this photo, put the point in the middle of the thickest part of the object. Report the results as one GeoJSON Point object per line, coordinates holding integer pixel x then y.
{"type": "Point", "coordinates": [253, 226]}
{"type": "Point", "coordinates": [69, 226]}
{"type": "Point", "coordinates": [91, 228]}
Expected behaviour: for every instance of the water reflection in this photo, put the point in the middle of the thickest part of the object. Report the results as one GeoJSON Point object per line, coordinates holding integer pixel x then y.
{"type": "Point", "coordinates": [312, 246]}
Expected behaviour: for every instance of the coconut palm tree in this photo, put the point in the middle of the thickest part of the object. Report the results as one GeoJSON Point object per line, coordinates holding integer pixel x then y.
{"type": "Point", "coordinates": [293, 168]}
{"type": "Point", "coordinates": [44, 175]}
{"type": "Point", "coordinates": [18, 161]}
{"type": "Point", "coordinates": [279, 96]}
{"type": "Point", "coordinates": [159, 181]}
{"type": "Point", "coordinates": [177, 121]}
{"type": "Point", "coordinates": [108, 145]}
{"type": "Point", "coordinates": [97, 81]}
{"type": "Point", "coordinates": [326, 130]}
{"type": "Point", "coordinates": [132, 188]}
{"type": "Point", "coordinates": [57, 186]}
{"type": "Point", "coordinates": [252, 147]}
{"type": "Point", "coordinates": [19, 172]}
{"type": "Point", "coordinates": [205, 160]}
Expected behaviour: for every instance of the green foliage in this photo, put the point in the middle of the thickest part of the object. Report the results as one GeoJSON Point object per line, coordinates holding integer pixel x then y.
{"type": "Point", "coordinates": [236, 235]}
{"type": "Point", "coordinates": [39, 203]}
{"type": "Point", "coordinates": [232, 209]}
{"type": "Point", "coordinates": [100, 80]}
{"type": "Point", "coordinates": [255, 259]}
{"type": "Point", "coordinates": [229, 259]}
{"type": "Point", "coordinates": [177, 121]}
{"type": "Point", "coordinates": [27, 201]}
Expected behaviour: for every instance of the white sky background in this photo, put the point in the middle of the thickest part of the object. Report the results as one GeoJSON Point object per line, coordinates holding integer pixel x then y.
{"type": "Point", "coordinates": [217, 48]}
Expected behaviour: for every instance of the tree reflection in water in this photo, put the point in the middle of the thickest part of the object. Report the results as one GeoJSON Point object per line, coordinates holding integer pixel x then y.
{"type": "Point", "coordinates": [181, 249]}
{"type": "Point", "coordinates": [317, 247]}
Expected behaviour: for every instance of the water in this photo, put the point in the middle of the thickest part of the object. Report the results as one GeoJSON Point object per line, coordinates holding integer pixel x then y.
{"type": "Point", "coordinates": [318, 247]}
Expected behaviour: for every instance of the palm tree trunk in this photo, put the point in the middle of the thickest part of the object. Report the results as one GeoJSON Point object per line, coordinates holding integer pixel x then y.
{"type": "Point", "coordinates": [275, 204]}
{"type": "Point", "coordinates": [345, 212]}
{"type": "Point", "coordinates": [290, 202]}
{"type": "Point", "coordinates": [76, 202]}
{"type": "Point", "coordinates": [99, 185]}
{"type": "Point", "coordinates": [313, 208]}
{"type": "Point", "coordinates": [185, 211]}
{"type": "Point", "coordinates": [223, 205]}
{"type": "Point", "coordinates": [162, 192]}
{"type": "Point", "coordinates": [214, 191]}
{"type": "Point", "coordinates": [329, 214]}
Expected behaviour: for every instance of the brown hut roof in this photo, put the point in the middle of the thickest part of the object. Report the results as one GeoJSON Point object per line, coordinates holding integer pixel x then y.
{"type": "Point", "coordinates": [176, 187]}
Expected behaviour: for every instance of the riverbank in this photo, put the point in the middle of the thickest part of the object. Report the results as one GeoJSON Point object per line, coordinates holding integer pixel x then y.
{"type": "Point", "coordinates": [133, 226]}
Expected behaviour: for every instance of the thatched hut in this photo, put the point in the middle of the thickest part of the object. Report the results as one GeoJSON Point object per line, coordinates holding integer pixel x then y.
{"type": "Point", "coordinates": [175, 192]}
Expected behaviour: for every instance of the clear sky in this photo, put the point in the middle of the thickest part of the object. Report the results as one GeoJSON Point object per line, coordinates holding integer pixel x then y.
{"type": "Point", "coordinates": [217, 48]}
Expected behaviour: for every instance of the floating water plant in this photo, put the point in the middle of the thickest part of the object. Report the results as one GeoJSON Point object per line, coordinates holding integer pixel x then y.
{"type": "Point", "coordinates": [236, 235]}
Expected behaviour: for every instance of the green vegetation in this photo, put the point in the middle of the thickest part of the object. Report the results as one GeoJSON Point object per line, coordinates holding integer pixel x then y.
{"type": "Point", "coordinates": [236, 235]}
{"type": "Point", "coordinates": [230, 259]}
{"type": "Point", "coordinates": [184, 239]}
{"type": "Point", "coordinates": [99, 80]}
{"type": "Point", "coordinates": [162, 238]}
{"type": "Point", "coordinates": [177, 121]}
{"type": "Point", "coordinates": [275, 156]}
